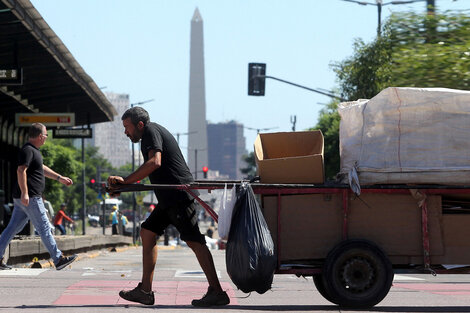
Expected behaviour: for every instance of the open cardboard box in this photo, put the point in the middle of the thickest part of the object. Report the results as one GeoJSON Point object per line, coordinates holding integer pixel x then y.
{"type": "Point", "coordinates": [290, 157]}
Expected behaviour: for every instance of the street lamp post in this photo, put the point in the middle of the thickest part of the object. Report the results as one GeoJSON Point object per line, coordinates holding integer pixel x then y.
{"type": "Point", "coordinates": [380, 4]}
{"type": "Point", "coordinates": [134, 203]}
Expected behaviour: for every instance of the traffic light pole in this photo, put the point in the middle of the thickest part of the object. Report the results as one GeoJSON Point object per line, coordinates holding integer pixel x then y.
{"type": "Point", "coordinates": [134, 204]}
{"type": "Point", "coordinates": [257, 78]}
{"type": "Point", "coordinates": [300, 86]}
{"type": "Point", "coordinates": [83, 189]}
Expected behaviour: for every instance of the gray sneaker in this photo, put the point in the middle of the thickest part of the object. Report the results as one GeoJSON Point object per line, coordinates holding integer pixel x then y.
{"type": "Point", "coordinates": [3, 266]}
{"type": "Point", "coordinates": [212, 298]}
{"type": "Point", "coordinates": [138, 295]}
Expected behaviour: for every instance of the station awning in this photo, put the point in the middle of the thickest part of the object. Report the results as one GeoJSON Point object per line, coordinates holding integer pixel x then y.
{"type": "Point", "coordinates": [52, 80]}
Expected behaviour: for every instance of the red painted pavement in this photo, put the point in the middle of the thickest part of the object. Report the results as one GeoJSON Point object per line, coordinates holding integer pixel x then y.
{"type": "Point", "coordinates": [106, 292]}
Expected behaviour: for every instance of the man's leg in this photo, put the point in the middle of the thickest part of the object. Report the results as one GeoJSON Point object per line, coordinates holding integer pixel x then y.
{"type": "Point", "coordinates": [206, 262]}
{"type": "Point", "coordinates": [37, 214]}
{"type": "Point", "coordinates": [149, 257]}
{"type": "Point", "coordinates": [61, 229]}
{"type": "Point", "coordinates": [215, 296]}
{"type": "Point", "coordinates": [143, 292]}
{"type": "Point", "coordinates": [18, 221]}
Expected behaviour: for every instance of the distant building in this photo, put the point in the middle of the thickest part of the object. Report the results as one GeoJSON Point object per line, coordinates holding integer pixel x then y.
{"type": "Point", "coordinates": [226, 148]}
{"type": "Point", "coordinates": [109, 137]}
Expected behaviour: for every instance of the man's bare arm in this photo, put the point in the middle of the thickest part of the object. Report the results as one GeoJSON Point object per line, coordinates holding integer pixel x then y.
{"type": "Point", "coordinates": [154, 162]}
{"type": "Point", "coordinates": [22, 182]}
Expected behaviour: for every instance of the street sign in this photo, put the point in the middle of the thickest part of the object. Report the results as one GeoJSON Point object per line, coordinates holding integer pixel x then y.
{"type": "Point", "coordinates": [72, 133]}
{"type": "Point", "coordinates": [48, 119]}
{"type": "Point", "coordinates": [11, 76]}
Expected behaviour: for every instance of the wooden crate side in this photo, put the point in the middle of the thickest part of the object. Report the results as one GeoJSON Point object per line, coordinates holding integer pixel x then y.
{"type": "Point", "coordinates": [310, 224]}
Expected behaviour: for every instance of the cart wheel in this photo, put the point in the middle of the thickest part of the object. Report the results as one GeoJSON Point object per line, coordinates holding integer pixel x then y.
{"type": "Point", "coordinates": [318, 281]}
{"type": "Point", "coordinates": [357, 274]}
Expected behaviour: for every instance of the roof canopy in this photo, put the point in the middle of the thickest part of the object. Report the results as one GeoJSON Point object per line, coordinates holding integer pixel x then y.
{"type": "Point", "coordinates": [53, 81]}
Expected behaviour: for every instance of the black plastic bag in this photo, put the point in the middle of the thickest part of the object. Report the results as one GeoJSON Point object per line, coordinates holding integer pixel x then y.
{"type": "Point", "coordinates": [250, 257]}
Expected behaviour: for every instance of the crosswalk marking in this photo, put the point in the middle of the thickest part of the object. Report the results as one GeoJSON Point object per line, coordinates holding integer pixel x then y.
{"type": "Point", "coordinates": [192, 274]}
{"type": "Point", "coordinates": [406, 278]}
{"type": "Point", "coordinates": [23, 272]}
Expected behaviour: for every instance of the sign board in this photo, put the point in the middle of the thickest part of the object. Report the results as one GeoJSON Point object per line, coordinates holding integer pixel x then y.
{"type": "Point", "coordinates": [72, 133]}
{"type": "Point", "coordinates": [48, 119]}
{"type": "Point", "coordinates": [11, 76]}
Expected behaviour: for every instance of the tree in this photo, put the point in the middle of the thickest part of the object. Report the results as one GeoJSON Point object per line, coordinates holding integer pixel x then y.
{"type": "Point", "coordinates": [62, 156]}
{"type": "Point", "coordinates": [63, 160]}
{"type": "Point", "coordinates": [409, 54]}
{"type": "Point", "coordinates": [250, 169]}
{"type": "Point", "coordinates": [328, 123]}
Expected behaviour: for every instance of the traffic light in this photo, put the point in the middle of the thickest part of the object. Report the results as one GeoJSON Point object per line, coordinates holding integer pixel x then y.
{"type": "Point", "coordinates": [256, 79]}
{"type": "Point", "coordinates": [205, 169]}
{"type": "Point", "coordinates": [93, 185]}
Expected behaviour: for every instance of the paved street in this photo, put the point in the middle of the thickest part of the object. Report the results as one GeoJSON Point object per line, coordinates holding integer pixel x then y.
{"type": "Point", "coordinates": [92, 283]}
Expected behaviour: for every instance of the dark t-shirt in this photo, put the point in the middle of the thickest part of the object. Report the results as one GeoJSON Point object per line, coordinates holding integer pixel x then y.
{"type": "Point", "coordinates": [173, 169]}
{"type": "Point", "coordinates": [30, 156]}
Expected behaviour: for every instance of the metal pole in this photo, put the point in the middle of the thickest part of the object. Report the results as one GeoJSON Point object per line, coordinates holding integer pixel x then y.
{"type": "Point", "coordinates": [430, 5]}
{"type": "Point", "coordinates": [83, 188]}
{"type": "Point", "coordinates": [195, 163]}
{"type": "Point", "coordinates": [379, 24]}
{"type": "Point", "coordinates": [293, 120]}
{"type": "Point", "coordinates": [133, 201]}
{"type": "Point", "coordinates": [300, 86]}
{"type": "Point", "coordinates": [103, 208]}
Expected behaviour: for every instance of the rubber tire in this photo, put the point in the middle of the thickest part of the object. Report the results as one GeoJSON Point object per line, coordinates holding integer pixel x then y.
{"type": "Point", "coordinates": [357, 274]}
{"type": "Point", "coordinates": [318, 281]}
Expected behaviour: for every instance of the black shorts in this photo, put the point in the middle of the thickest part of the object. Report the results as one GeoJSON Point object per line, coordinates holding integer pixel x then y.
{"type": "Point", "coordinates": [182, 215]}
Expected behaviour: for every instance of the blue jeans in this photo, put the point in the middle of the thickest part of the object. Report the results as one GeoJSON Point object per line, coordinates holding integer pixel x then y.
{"type": "Point", "coordinates": [36, 212]}
{"type": "Point", "coordinates": [61, 228]}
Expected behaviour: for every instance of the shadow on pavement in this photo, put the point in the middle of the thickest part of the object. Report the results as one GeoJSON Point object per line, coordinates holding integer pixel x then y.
{"type": "Point", "coordinates": [274, 308]}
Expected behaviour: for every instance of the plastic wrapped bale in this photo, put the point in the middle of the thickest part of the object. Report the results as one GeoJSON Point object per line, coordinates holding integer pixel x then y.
{"type": "Point", "coordinates": [250, 257]}
{"type": "Point", "coordinates": [407, 135]}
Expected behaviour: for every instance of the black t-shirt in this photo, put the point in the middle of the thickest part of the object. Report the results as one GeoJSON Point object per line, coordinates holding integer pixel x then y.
{"type": "Point", "coordinates": [173, 169]}
{"type": "Point", "coordinates": [30, 156]}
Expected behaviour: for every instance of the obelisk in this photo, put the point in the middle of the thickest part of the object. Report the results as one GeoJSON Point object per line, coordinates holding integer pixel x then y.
{"type": "Point", "coordinates": [197, 125]}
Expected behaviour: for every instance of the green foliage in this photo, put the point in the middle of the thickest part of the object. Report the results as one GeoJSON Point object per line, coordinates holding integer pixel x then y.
{"type": "Point", "coordinates": [364, 75]}
{"type": "Point", "coordinates": [61, 156]}
{"type": "Point", "coordinates": [63, 160]}
{"type": "Point", "coordinates": [328, 123]}
{"type": "Point", "coordinates": [250, 170]}
{"type": "Point", "coordinates": [430, 56]}
{"type": "Point", "coordinates": [414, 51]}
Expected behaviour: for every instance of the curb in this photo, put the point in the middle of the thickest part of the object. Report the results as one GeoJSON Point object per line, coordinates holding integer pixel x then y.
{"type": "Point", "coordinates": [35, 263]}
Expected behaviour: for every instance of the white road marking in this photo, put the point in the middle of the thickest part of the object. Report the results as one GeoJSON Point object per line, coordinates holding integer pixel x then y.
{"type": "Point", "coordinates": [192, 274]}
{"type": "Point", "coordinates": [406, 278]}
{"type": "Point", "coordinates": [23, 272]}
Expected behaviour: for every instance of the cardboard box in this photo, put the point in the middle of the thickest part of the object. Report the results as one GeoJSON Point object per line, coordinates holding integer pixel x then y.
{"type": "Point", "coordinates": [290, 157]}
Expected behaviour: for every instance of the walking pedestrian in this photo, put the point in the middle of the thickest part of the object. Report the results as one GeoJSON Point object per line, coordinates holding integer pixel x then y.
{"type": "Point", "coordinates": [114, 217]}
{"type": "Point", "coordinates": [164, 164]}
{"type": "Point", "coordinates": [27, 199]}
{"type": "Point", "coordinates": [59, 218]}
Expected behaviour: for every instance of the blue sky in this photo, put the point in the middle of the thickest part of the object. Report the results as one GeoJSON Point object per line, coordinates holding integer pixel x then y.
{"type": "Point", "coordinates": [141, 48]}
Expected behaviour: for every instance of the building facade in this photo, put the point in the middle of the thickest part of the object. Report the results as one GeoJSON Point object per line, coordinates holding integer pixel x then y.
{"type": "Point", "coordinates": [109, 137]}
{"type": "Point", "coordinates": [226, 148]}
